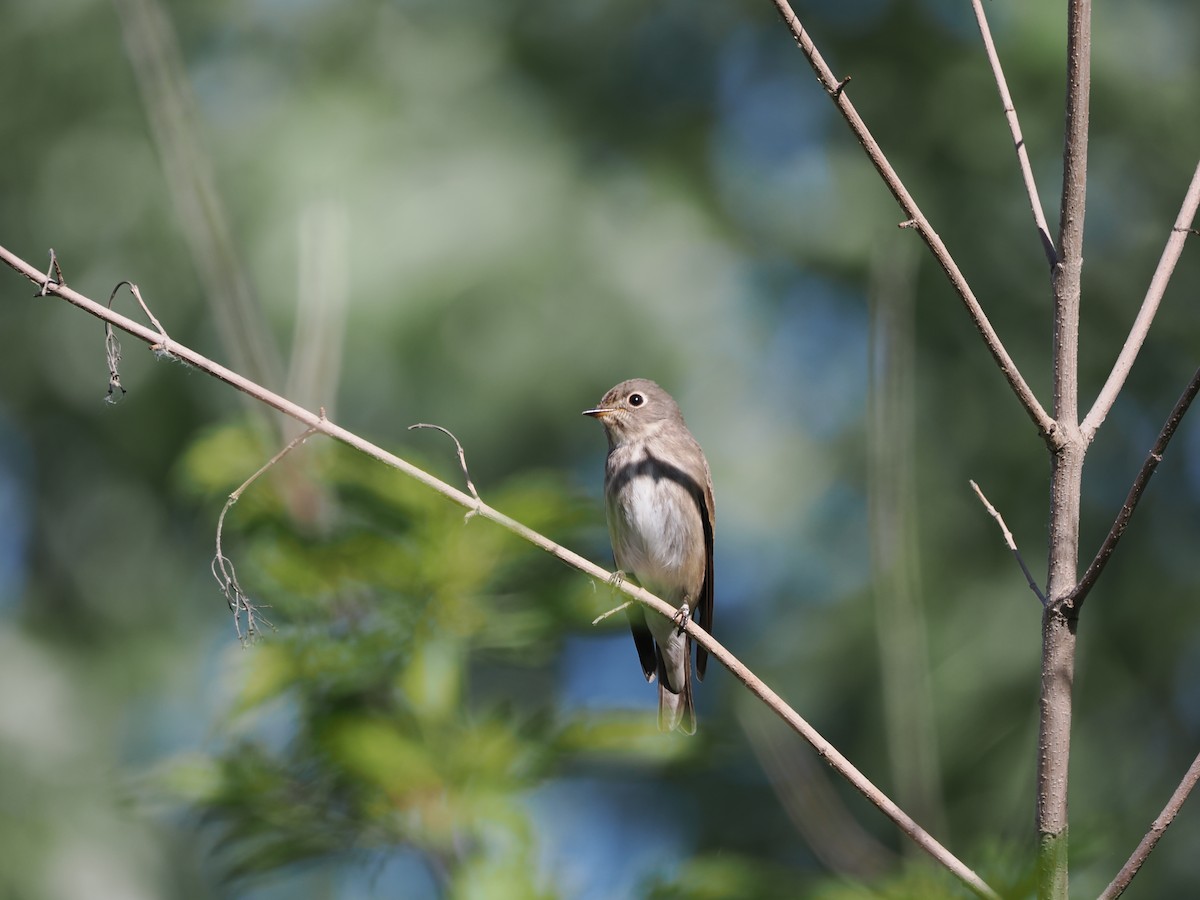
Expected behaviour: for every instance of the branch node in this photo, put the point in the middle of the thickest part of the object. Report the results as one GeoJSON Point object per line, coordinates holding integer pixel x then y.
{"type": "Point", "coordinates": [54, 270]}
{"type": "Point", "coordinates": [908, 223]}
{"type": "Point", "coordinates": [836, 93]}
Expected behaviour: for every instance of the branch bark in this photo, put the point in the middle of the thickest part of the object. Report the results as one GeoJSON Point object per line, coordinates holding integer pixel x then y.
{"type": "Point", "coordinates": [916, 219]}
{"type": "Point", "coordinates": [319, 424]}
{"type": "Point", "coordinates": [1066, 475]}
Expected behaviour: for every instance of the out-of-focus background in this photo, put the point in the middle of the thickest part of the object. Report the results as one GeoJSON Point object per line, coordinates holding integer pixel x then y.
{"type": "Point", "coordinates": [483, 215]}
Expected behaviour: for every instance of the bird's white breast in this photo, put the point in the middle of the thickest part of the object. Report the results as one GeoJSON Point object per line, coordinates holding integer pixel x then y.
{"type": "Point", "coordinates": [657, 535]}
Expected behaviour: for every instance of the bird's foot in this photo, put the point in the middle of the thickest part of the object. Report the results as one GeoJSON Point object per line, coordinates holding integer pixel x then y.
{"type": "Point", "coordinates": [682, 615]}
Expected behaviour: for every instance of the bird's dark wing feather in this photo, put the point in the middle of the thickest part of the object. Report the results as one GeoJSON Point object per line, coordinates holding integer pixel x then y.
{"type": "Point", "coordinates": [642, 639]}
{"type": "Point", "coordinates": [706, 590]}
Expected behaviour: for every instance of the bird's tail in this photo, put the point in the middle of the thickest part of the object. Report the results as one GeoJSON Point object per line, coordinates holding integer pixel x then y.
{"type": "Point", "coordinates": [676, 711]}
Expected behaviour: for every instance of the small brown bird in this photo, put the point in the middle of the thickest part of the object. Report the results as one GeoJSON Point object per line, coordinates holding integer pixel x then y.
{"type": "Point", "coordinates": [659, 499]}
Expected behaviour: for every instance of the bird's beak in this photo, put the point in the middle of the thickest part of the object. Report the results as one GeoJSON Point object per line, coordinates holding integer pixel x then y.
{"type": "Point", "coordinates": [599, 412]}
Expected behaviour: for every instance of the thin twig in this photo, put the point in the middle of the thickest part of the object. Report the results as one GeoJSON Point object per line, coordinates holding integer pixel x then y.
{"type": "Point", "coordinates": [222, 568]}
{"type": "Point", "coordinates": [756, 686]}
{"type": "Point", "coordinates": [462, 461]}
{"type": "Point", "coordinates": [1009, 542]}
{"type": "Point", "coordinates": [54, 268]}
{"type": "Point", "coordinates": [614, 582]}
{"type": "Point", "coordinates": [916, 219]}
{"type": "Point", "coordinates": [112, 347]}
{"type": "Point", "coordinates": [1147, 844]}
{"type": "Point", "coordinates": [1141, 325]}
{"type": "Point", "coordinates": [112, 357]}
{"type": "Point", "coordinates": [612, 612]}
{"type": "Point", "coordinates": [1153, 458]}
{"type": "Point", "coordinates": [1010, 113]}
{"type": "Point", "coordinates": [137, 295]}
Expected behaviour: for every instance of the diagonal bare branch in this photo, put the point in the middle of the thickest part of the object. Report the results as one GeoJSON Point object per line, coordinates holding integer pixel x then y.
{"type": "Point", "coordinates": [916, 219]}
{"type": "Point", "coordinates": [1010, 113]}
{"type": "Point", "coordinates": [1141, 325]}
{"type": "Point", "coordinates": [1153, 458]}
{"type": "Point", "coordinates": [1147, 844]}
{"type": "Point", "coordinates": [319, 424]}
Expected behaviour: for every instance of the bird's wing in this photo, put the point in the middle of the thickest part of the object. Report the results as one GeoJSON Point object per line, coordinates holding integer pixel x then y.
{"type": "Point", "coordinates": [642, 639]}
{"type": "Point", "coordinates": [707, 520]}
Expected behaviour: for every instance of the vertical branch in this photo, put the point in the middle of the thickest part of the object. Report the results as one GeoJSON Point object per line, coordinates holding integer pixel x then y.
{"type": "Point", "coordinates": [1066, 280]}
{"type": "Point", "coordinates": [1066, 475]}
{"type": "Point", "coordinates": [1054, 751]}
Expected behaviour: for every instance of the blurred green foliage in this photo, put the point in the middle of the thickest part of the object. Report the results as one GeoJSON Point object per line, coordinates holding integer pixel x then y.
{"type": "Point", "coordinates": [380, 738]}
{"type": "Point", "coordinates": [540, 199]}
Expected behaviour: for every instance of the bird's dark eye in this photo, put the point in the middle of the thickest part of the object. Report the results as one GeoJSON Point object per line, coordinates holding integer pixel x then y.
{"type": "Point", "coordinates": [636, 399]}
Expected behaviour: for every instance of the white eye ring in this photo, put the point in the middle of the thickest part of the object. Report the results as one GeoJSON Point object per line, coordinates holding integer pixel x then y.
{"type": "Point", "coordinates": [636, 399]}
